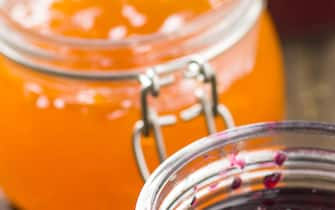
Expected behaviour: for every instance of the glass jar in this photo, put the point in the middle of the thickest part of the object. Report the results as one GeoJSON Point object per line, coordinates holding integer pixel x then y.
{"type": "Point", "coordinates": [284, 165]}
{"type": "Point", "coordinates": [70, 105]}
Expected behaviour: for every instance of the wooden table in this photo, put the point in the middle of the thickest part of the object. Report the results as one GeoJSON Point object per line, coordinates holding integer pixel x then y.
{"type": "Point", "coordinates": [310, 73]}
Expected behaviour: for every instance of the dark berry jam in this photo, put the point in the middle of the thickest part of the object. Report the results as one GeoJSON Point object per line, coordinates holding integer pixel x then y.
{"type": "Point", "coordinates": [280, 199]}
{"type": "Point", "coordinates": [237, 182]}
{"type": "Point", "coordinates": [271, 181]}
{"type": "Point", "coordinates": [280, 158]}
{"type": "Point", "coordinates": [236, 162]}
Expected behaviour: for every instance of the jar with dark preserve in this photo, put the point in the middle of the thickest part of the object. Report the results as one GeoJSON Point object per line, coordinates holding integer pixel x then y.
{"type": "Point", "coordinates": [301, 18]}
{"type": "Point", "coordinates": [286, 165]}
{"type": "Point", "coordinates": [94, 93]}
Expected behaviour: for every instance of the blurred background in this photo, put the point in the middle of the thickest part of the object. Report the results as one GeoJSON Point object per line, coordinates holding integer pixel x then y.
{"type": "Point", "coordinates": [307, 31]}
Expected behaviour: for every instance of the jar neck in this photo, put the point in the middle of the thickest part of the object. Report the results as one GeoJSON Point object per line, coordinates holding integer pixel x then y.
{"type": "Point", "coordinates": [207, 36]}
{"type": "Point", "coordinates": [203, 173]}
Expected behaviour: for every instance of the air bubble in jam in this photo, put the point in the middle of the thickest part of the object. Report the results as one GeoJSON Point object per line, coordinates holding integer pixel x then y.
{"type": "Point", "coordinates": [237, 183]}
{"type": "Point", "coordinates": [280, 158]}
{"type": "Point", "coordinates": [272, 180]}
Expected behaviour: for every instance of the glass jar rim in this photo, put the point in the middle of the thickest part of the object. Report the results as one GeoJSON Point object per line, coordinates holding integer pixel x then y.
{"type": "Point", "coordinates": [151, 190]}
{"type": "Point", "coordinates": [188, 27]}
{"type": "Point", "coordinates": [250, 9]}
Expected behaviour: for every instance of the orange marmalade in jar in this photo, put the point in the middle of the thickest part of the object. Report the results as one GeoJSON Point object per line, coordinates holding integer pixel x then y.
{"type": "Point", "coordinates": [94, 94]}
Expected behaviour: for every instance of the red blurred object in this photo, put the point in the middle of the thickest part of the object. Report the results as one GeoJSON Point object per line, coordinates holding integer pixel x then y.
{"type": "Point", "coordinates": [298, 17]}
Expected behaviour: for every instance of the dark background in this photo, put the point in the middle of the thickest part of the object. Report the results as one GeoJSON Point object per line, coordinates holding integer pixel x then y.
{"type": "Point", "coordinates": [307, 32]}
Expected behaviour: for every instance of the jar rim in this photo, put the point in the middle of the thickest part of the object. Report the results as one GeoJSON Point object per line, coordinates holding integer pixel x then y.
{"type": "Point", "coordinates": [100, 42]}
{"type": "Point", "coordinates": [151, 190]}
{"type": "Point", "coordinates": [250, 9]}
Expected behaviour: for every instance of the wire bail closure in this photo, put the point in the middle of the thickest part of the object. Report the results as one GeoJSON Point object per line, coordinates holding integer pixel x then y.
{"type": "Point", "coordinates": [210, 107]}
{"type": "Point", "coordinates": [151, 84]}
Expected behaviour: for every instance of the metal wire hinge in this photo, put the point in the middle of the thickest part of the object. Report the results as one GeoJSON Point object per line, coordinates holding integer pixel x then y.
{"type": "Point", "coordinates": [209, 106]}
{"type": "Point", "coordinates": [152, 123]}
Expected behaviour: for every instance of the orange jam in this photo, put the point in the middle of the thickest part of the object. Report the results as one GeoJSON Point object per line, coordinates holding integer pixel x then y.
{"type": "Point", "coordinates": [100, 19]}
{"type": "Point", "coordinates": [65, 144]}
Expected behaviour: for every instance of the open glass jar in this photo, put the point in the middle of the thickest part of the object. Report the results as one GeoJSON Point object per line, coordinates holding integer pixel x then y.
{"type": "Point", "coordinates": [284, 165]}
{"type": "Point", "coordinates": [70, 105]}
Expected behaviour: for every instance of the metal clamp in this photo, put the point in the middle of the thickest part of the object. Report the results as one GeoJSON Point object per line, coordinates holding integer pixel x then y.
{"type": "Point", "coordinates": [210, 107]}
{"type": "Point", "coordinates": [139, 130]}
{"type": "Point", "coordinates": [151, 84]}
{"type": "Point", "coordinates": [151, 122]}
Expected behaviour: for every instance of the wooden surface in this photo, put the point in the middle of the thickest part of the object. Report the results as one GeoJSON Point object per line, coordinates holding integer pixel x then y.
{"type": "Point", "coordinates": [310, 73]}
